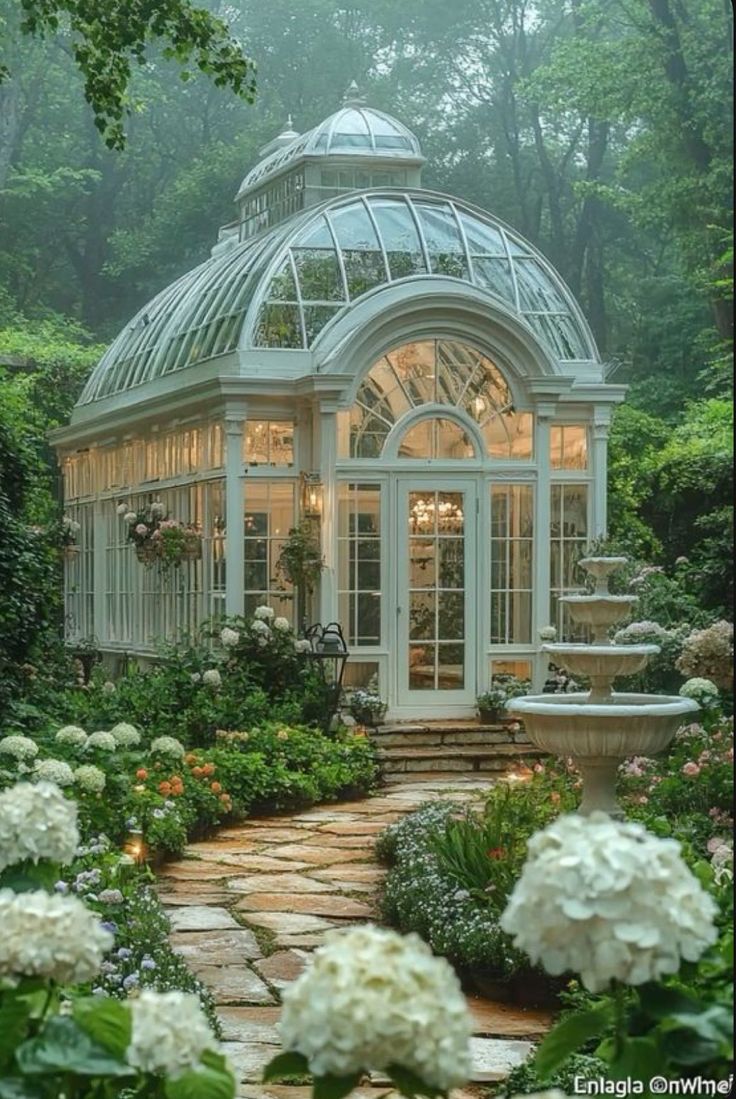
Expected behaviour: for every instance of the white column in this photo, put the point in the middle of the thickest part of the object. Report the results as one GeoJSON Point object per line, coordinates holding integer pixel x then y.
{"type": "Point", "coordinates": [601, 425]}
{"type": "Point", "coordinates": [326, 453]}
{"type": "Point", "coordinates": [542, 514]}
{"type": "Point", "coordinates": [234, 513]}
{"type": "Point", "coordinates": [99, 571]}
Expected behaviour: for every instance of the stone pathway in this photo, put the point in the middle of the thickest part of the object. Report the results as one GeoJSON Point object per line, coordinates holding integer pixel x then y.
{"type": "Point", "coordinates": [249, 904]}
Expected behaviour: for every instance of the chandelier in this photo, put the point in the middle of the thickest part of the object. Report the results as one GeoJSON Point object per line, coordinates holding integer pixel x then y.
{"type": "Point", "coordinates": [448, 514]}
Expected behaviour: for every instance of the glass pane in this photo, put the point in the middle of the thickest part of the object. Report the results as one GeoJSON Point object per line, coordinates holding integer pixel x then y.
{"type": "Point", "coordinates": [451, 615]}
{"type": "Point", "coordinates": [283, 287]}
{"type": "Point", "coordinates": [450, 667]}
{"type": "Point", "coordinates": [537, 292]}
{"type": "Point", "coordinates": [422, 566]}
{"type": "Point", "coordinates": [359, 562]}
{"type": "Point", "coordinates": [436, 438]}
{"type": "Point", "coordinates": [422, 615]}
{"type": "Point", "coordinates": [400, 237]}
{"type": "Point", "coordinates": [414, 366]}
{"type": "Point", "coordinates": [443, 240]}
{"type": "Point", "coordinates": [482, 239]}
{"type": "Point", "coordinates": [319, 275]}
{"type": "Point", "coordinates": [278, 326]}
{"type": "Point", "coordinates": [495, 275]}
{"type": "Point", "coordinates": [569, 446]}
{"type": "Point", "coordinates": [422, 667]}
{"type": "Point", "coordinates": [315, 319]}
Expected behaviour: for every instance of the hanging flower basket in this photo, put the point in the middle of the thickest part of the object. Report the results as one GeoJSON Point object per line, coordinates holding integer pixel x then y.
{"type": "Point", "coordinates": [192, 549]}
{"type": "Point", "coordinates": [147, 553]}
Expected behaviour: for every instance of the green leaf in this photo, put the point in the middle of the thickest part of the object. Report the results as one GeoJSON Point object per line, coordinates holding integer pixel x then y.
{"type": "Point", "coordinates": [107, 1021]}
{"type": "Point", "coordinates": [409, 1084]}
{"type": "Point", "coordinates": [27, 877]}
{"type": "Point", "coordinates": [18, 1089]}
{"type": "Point", "coordinates": [569, 1035]}
{"type": "Point", "coordinates": [660, 1001]}
{"type": "Point", "coordinates": [64, 1047]}
{"type": "Point", "coordinates": [290, 1063]}
{"type": "Point", "coordinates": [15, 1011]}
{"type": "Point", "coordinates": [335, 1087]}
{"type": "Point", "coordinates": [640, 1059]}
{"type": "Point", "coordinates": [212, 1080]}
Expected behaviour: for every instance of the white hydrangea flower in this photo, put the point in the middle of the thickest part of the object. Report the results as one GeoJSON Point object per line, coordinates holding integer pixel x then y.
{"type": "Point", "coordinates": [264, 613]}
{"type": "Point", "coordinates": [169, 1034]}
{"type": "Point", "coordinates": [701, 690]}
{"type": "Point", "coordinates": [130, 517]}
{"type": "Point", "coordinates": [72, 735]}
{"type": "Point", "coordinates": [20, 747]}
{"type": "Point", "coordinates": [258, 626]}
{"type": "Point", "coordinates": [548, 633]}
{"type": "Point", "coordinates": [37, 822]}
{"type": "Point", "coordinates": [167, 746]}
{"type": "Point", "coordinates": [281, 624]}
{"type": "Point", "coordinates": [90, 778]}
{"type": "Point", "coordinates": [122, 509]}
{"type": "Point", "coordinates": [104, 741]}
{"type": "Point", "coordinates": [302, 646]}
{"type": "Point", "coordinates": [371, 998]}
{"type": "Point", "coordinates": [229, 637]}
{"type": "Point", "coordinates": [607, 899]}
{"type": "Point", "coordinates": [108, 687]}
{"type": "Point", "coordinates": [126, 736]}
{"type": "Point", "coordinates": [212, 678]}
{"type": "Point", "coordinates": [54, 770]}
{"type": "Point", "coordinates": [50, 936]}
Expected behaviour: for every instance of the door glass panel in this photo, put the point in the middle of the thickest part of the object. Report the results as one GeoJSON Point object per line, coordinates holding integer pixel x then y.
{"type": "Point", "coordinates": [436, 572]}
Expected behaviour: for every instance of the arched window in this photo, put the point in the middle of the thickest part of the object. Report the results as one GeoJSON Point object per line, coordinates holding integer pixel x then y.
{"type": "Point", "coordinates": [443, 372]}
{"type": "Point", "coordinates": [436, 438]}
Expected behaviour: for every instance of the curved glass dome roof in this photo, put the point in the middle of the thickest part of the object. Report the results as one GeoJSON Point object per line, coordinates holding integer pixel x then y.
{"type": "Point", "coordinates": [351, 130]}
{"type": "Point", "coordinates": [282, 288]}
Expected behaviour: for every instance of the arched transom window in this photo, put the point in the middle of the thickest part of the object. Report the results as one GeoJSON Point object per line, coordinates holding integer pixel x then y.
{"type": "Point", "coordinates": [436, 372]}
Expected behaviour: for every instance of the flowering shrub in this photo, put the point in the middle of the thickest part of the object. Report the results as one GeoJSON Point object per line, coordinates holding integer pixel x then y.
{"type": "Point", "coordinates": [703, 691]}
{"type": "Point", "coordinates": [374, 1001]}
{"type": "Point", "coordinates": [367, 707]}
{"type": "Point", "coordinates": [709, 653]}
{"type": "Point", "coordinates": [609, 900]}
{"type": "Point", "coordinates": [501, 691]}
{"type": "Point", "coordinates": [56, 1039]}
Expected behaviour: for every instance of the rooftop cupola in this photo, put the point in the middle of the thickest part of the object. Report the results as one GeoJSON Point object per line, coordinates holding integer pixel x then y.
{"type": "Point", "coordinates": [355, 149]}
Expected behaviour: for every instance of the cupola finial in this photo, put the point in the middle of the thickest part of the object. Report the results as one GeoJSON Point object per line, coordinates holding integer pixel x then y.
{"type": "Point", "coordinates": [352, 97]}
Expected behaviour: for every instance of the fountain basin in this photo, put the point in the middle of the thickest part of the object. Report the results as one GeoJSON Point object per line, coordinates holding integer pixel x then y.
{"type": "Point", "coordinates": [601, 661]}
{"type": "Point", "coordinates": [600, 568]}
{"type": "Point", "coordinates": [625, 725]}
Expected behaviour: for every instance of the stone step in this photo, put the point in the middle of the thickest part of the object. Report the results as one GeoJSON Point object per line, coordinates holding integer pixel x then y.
{"type": "Point", "coordinates": [452, 758]}
{"type": "Point", "coordinates": [481, 735]}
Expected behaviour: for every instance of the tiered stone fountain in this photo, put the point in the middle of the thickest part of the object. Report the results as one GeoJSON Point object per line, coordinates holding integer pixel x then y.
{"type": "Point", "coordinates": [600, 729]}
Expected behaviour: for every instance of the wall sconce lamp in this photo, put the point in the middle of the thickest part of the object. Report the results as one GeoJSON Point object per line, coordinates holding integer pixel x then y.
{"type": "Point", "coordinates": [312, 496]}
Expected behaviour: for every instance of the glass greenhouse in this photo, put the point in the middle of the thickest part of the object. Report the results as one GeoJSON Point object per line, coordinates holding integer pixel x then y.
{"type": "Point", "coordinates": [414, 362]}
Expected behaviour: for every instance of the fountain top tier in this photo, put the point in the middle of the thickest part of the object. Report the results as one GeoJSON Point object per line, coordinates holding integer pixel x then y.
{"type": "Point", "coordinates": [602, 661]}
{"type": "Point", "coordinates": [601, 610]}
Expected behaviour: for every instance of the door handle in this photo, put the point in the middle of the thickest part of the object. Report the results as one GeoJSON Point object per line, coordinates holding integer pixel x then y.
{"type": "Point", "coordinates": [398, 610]}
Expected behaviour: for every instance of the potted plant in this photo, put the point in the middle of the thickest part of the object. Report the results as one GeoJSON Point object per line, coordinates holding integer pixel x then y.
{"type": "Point", "coordinates": [70, 528]}
{"type": "Point", "coordinates": [159, 540]}
{"type": "Point", "coordinates": [491, 705]}
{"type": "Point", "coordinates": [367, 707]}
{"type": "Point", "coordinates": [300, 564]}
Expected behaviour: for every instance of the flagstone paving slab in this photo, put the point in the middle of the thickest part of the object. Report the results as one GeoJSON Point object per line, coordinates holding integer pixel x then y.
{"type": "Point", "coordinates": [288, 923]}
{"type": "Point", "coordinates": [291, 879]}
{"type": "Point", "coordinates": [342, 907]}
{"type": "Point", "coordinates": [234, 984]}
{"type": "Point", "coordinates": [250, 1024]}
{"type": "Point", "coordinates": [280, 883]}
{"type": "Point", "coordinates": [217, 947]}
{"type": "Point", "coordinates": [200, 917]}
{"type": "Point", "coordinates": [283, 967]}
{"type": "Point", "coordinates": [316, 856]}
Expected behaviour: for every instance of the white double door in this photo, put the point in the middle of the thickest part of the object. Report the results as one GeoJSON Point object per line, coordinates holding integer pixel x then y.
{"type": "Point", "coordinates": [437, 611]}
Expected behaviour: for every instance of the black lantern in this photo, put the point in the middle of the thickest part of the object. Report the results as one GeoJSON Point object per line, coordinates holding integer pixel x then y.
{"type": "Point", "coordinates": [330, 655]}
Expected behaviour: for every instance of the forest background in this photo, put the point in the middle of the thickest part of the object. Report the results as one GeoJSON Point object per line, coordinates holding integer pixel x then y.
{"type": "Point", "coordinates": [600, 129]}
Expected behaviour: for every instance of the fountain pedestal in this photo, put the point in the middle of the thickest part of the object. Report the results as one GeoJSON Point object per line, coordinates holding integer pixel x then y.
{"type": "Point", "coordinates": [602, 728]}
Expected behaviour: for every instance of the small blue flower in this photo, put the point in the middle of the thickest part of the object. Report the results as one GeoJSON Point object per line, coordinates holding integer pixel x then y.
{"type": "Point", "coordinates": [61, 887]}
{"type": "Point", "coordinates": [148, 963]}
{"type": "Point", "coordinates": [109, 925]}
{"type": "Point", "coordinates": [124, 953]}
{"type": "Point", "coordinates": [131, 981]}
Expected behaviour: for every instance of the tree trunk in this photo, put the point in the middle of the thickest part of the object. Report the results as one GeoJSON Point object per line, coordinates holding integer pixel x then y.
{"type": "Point", "coordinates": [9, 126]}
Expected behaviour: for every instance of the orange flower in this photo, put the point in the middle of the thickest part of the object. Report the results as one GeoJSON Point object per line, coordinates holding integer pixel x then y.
{"type": "Point", "coordinates": [198, 772]}
{"type": "Point", "coordinates": [175, 780]}
{"type": "Point", "coordinates": [141, 773]}
{"type": "Point", "coordinates": [164, 788]}
{"type": "Point", "coordinates": [177, 790]}
{"type": "Point", "coordinates": [216, 788]}
{"type": "Point", "coordinates": [554, 796]}
{"type": "Point", "coordinates": [496, 853]}
{"type": "Point", "coordinates": [190, 759]}
{"type": "Point", "coordinates": [209, 768]}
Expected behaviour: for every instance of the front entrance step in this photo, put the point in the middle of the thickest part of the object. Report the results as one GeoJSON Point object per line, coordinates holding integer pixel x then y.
{"type": "Point", "coordinates": [434, 734]}
{"type": "Point", "coordinates": [452, 757]}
